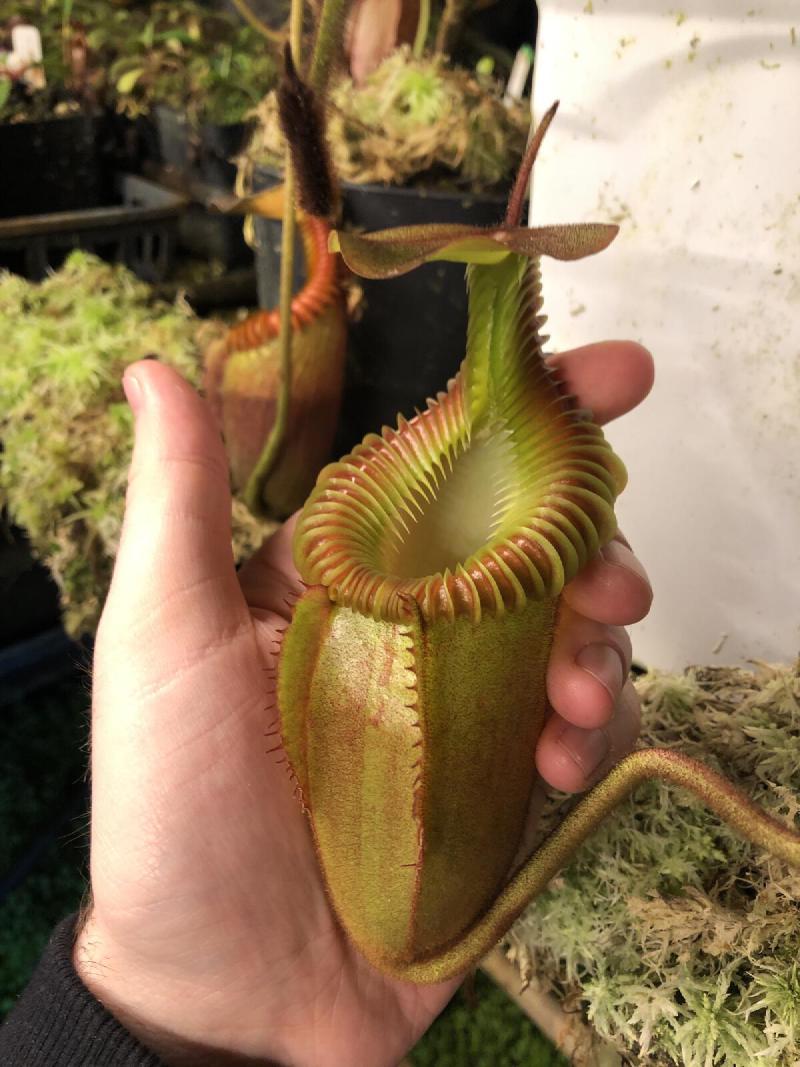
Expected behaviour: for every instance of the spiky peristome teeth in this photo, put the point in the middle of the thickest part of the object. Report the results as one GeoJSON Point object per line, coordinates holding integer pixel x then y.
{"type": "Point", "coordinates": [384, 535]}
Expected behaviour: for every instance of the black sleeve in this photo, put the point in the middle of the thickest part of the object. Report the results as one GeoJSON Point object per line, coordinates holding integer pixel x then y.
{"type": "Point", "coordinates": [58, 1023]}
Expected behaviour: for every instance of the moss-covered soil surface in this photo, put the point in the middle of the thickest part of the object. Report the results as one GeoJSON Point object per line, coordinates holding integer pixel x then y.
{"type": "Point", "coordinates": [678, 940]}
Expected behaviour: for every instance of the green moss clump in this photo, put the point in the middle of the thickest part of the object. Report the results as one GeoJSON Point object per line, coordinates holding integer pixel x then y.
{"type": "Point", "coordinates": [67, 431]}
{"type": "Point", "coordinates": [412, 121]}
{"type": "Point", "coordinates": [680, 940]}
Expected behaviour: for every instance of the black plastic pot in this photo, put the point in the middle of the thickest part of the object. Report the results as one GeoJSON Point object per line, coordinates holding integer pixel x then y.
{"type": "Point", "coordinates": [202, 152]}
{"type": "Point", "coordinates": [268, 248]}
{"type": "Point", "coordinates": [138, 228]}
{"type": "Point", "coordinates": [410, 338]}
{"type": "Point", "coordinates": [28, 593]}
{"type": "Point", "coordinates": [60, 164]}
{"type": "Point", "coordinates": [200, 155]}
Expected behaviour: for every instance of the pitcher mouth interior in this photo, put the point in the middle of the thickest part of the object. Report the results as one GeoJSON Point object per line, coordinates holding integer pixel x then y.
{"type": "Point", "coordinates": [454, 519]}
{"type": "Point", "coordinates": [431, 519]}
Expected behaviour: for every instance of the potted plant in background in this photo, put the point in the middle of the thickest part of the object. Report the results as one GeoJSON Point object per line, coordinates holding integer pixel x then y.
{"type": "Point", "coordinates": [67, 182]}
{"type": "Point", "coordinates": [190, 76]}
{"type": "Point", "coordinates": [197, 72]}
{"type": "Point", "coordinates": [54, 137]}
{"type": "Point", "coordinates": [415, 139]}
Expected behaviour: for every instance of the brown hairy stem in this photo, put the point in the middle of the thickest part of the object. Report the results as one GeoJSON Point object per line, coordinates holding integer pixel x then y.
{"type": "Point", "coordinates": [725, 799]}
{"type": "Point", "coordinates": [327, 45]}
{"type": "Point", "coordinates": [303, 123]}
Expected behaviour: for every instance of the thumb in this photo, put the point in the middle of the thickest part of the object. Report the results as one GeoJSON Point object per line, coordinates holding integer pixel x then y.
{"type": "Point", "coordinates": [175, 562]}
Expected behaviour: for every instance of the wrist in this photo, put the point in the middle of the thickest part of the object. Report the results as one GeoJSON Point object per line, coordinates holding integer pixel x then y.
{"type": "Point", "coordinates": [168, 1018]}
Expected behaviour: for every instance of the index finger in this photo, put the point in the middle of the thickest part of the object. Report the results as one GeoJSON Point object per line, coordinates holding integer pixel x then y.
{"type": "Point", "coordinates": [608, 377]}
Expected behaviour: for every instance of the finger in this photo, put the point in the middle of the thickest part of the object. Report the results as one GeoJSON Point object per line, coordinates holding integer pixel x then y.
{"type": "Point", "coordinates": [609, 378]}
{"type": "Point", "coordinates": [572, 759]}
{"type": "Point", "coordinates": [612, 588]}
{"type": "Point", "coordinates": [175, 661]}
{"type": "Point", "coordinates": [588, 666]}
{"type": "Point", "coordinates": [175, 557]}
{"type": "Point", "coordinates": [269, 579]}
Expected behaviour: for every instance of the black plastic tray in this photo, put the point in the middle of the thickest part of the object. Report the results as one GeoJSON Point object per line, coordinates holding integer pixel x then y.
{"type": "Point", "coordinates": [139, 232]}
{"type": "Point", "coordinates": [59, 164]}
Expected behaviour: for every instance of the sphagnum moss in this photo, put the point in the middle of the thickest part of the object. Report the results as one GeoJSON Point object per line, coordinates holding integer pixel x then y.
{"type": "Point", "coordinates": [412, 120]}
{"type": "Point", "coordinates": [680, 940]}
{"type": "Point", "coordinates": [66, 429]}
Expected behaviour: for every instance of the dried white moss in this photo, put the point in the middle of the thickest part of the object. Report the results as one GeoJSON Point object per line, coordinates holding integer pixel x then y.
{"type": "Point", "coordinates": [66, 429]}
{"type": "Point", "coordinates": [679, 941]}
{"type": "Point", "coordinates": [412, 120]}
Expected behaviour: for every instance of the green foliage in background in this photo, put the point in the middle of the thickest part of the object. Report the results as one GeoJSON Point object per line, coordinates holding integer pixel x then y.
{"type": "Point", "coordinates": [109, 25]}
{"type": "Point", "coordinates": [67, 431]}
{"type": "Point", "coordinates": [203, 62]}
{"type": "Point", "coordinates": [197, 60]}
{"type": "Point", "coordinates": [681, 940]}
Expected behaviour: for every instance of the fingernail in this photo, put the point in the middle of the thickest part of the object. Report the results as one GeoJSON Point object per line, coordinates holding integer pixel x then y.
{"type": "Point", "coordinates": [605, 665]}
{"type": "Point", "coordinates": [587, 748]}
{"type": "Point", "coordinates": [621, 556]}
{"type": "Point", "coordinates": [133, 391]}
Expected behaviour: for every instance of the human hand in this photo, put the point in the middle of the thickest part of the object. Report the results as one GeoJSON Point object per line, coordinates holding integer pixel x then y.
{"type": "Point", "coordinates": [210, 935]}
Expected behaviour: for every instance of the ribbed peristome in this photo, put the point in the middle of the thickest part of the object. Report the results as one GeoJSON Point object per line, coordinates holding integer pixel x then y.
{"type": "Point", "coordinates": [498, 492]}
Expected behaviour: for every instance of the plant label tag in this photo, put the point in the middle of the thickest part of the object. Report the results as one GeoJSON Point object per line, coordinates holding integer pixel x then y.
{"type": "Point", "coordinates": [26, 44]}
{"type": "Point", "coordinates": [26, 55]}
